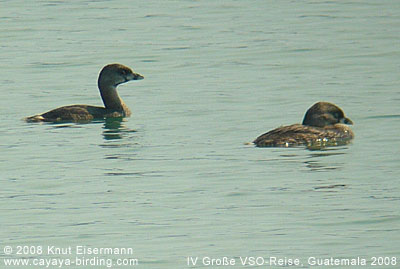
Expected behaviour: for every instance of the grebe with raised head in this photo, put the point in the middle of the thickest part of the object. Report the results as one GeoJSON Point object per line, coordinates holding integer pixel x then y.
{"type": "Point", "coordinates": [109, 78]}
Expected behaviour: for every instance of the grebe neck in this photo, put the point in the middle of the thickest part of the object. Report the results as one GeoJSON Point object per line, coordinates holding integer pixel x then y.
{"type": "Point", "coordinates": [111, 98]}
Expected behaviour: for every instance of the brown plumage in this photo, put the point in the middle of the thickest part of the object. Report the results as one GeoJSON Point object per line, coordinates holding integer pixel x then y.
{"type": "Point", "coordinates": [109, 78]}
{"type": "Point", "coordinates": [321, 127]}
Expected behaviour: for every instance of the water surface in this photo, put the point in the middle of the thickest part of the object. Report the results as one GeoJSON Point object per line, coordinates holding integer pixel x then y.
{"type": "Point", "coordinates": [177, 179]}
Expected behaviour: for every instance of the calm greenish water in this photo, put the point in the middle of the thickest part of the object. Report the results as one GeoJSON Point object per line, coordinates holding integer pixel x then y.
{"type": "Point", "coordinates": [177, 179]}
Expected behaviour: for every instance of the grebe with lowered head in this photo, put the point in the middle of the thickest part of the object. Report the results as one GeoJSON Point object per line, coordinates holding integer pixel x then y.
{"type": "Point", "coordinates": [109, 78]}
{"type": "Point", "coordinates": [322, 126]}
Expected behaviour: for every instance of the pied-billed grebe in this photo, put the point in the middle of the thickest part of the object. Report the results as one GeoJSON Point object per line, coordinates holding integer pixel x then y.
{"type": "Point", "coordinates": [109, 78]}
{"type": "Point", "coordinates": [321, 127]}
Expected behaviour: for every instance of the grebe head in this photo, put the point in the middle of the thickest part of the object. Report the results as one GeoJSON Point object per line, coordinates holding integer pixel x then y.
{"type": "Point", "coordinates": [115, 74]}
{"type": "Point", "coordinates": [323, 114]}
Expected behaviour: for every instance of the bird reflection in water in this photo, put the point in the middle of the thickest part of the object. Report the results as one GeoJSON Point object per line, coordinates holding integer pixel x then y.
{"type": "Point", "coordinates": [316, 164]}
{"type": "Point", "coordinates": [115, 129]}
